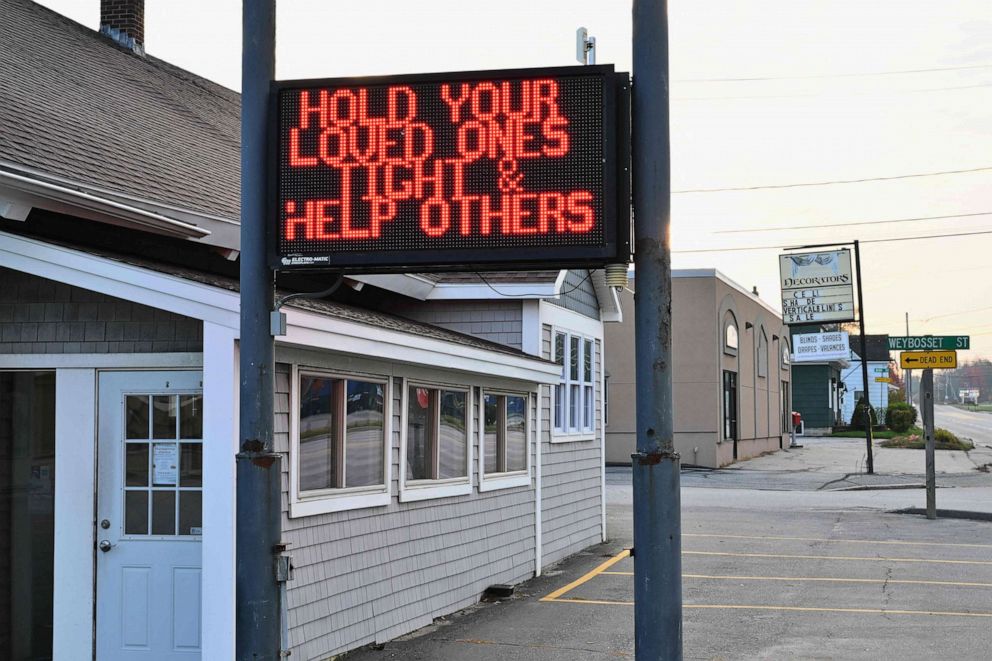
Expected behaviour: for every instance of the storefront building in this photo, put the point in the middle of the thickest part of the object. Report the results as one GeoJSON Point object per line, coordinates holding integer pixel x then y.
{"type": "Point", "coordinates": [731, 373]}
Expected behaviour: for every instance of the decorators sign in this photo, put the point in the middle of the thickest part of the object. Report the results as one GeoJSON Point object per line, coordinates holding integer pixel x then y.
{"type": "Point", "coordinates": [477, 169]}
{"type": "Point", "coordinates": [817, 287]}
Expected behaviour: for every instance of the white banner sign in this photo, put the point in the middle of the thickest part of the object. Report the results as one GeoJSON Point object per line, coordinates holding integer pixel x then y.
{"type": "Point", "coordinates": [820, 347]}
{"type": "Point", "coordinates": [817, 287]}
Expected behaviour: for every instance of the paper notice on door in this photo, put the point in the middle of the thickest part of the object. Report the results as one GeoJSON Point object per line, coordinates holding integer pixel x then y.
{"type": "Point", "coordinates": [165, 464]}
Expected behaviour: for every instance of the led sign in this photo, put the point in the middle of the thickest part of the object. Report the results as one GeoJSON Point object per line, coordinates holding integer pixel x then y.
{"type": "Point", "coordinates": [477, 170]}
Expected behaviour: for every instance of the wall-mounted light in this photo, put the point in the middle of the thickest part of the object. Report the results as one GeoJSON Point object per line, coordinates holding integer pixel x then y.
{"type": "Point", "coordinates": [774, 338]}
{"type": "Point", "coordinates": [748, 325]}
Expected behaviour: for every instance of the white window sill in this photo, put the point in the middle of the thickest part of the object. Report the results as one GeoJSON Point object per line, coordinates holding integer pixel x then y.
{"type": "Point", "coordinates": [574, 437]}
{"type": "Point", "coordinates": [327, 504]}
{"type": "Point", "coordinates": [504, 481]}
{"type": "Point", "coordinates": [413, 492]}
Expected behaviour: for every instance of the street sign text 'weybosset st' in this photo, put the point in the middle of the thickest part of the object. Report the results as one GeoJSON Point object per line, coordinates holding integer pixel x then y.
{"type": "Point", "coordinates": [477, 169]}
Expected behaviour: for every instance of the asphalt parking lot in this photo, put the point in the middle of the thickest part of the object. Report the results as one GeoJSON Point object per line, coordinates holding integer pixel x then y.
{"type": "Point", "coordinates": [766, 575]}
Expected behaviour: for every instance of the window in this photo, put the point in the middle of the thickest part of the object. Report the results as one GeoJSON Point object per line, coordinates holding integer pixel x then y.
{"type": "Point", "coordinates": [340, 436]}
{"type": "Point", "coordinates": [786, 355]}
{"type": "Point", "coordinates": [762, 354]}
{"type": "Point", "coordinates": [575, 396]}
{"type": "Point", "coordinates": [504, 438]}
{"type": "Point", "coordinates": [729, 405]}
{"type": "Point", "coordinates": [436, 443]}
{"type": "Point", "coordinates": [163, 459]}
{"type": "Point", "coordinates": [730, 339]}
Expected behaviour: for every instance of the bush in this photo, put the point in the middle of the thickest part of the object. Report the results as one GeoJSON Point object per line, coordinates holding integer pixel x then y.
{"type": "Point", "coordinates": [897, 397]}
{"type": "Point", "coordinates": [944, 437]}
{"type": "Point", "coordinates": [858, 418]}
{"type": "Point", "coordinates": [900, 416]}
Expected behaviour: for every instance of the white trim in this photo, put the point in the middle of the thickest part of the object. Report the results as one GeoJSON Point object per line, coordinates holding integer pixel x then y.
{"type": "Point", "coordinates": [337, 500]}
{"type": "Point", "coordinates": [560, 281]}
{"type": "Point", "coordinates": [131, 283]}
{"type": "Point", "coordinates": [498, 290]}
{"type": "Point", "coordinates": [75, 489]}
{"type": "Point", "coordinates": [609, 302]}
{"type": "Point", "coordinates": [510, 479]}
{"type": "Point", "coordinates": [407, 284]}
{"type": "Point", "coordinates": [430, 489]}
{"type": "Point", "coordinates": [220, 434]}
{"type": "Point", "coordinates": [308, 329]}
{"type": "Point", "coordinates": [101, 360]}
{"type": "Point", "coordinates": [538, 518]}
{"type": "Point", "coordinates": [602, 433]}
{"type": "Point", "coordinates": [555, 315]}
{"type": "Point", "coordinates": [140, 217]}
{"type": "Point", "coordinates": [530, 327]}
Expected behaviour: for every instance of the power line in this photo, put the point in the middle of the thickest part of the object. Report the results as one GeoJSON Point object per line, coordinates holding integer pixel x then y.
{"type": "Point", "coordinates": [834, 182]}
{"type": "Point", "coordinates": [786, 247]}
{"type": "Point", "coordinates": [832, 95]}
{"type": "Point", "coordinates": [954, 314]}
{"type": "Point", "coordinates": [833, 75]}
{"type": "Point", "coordinates": [860, 222]}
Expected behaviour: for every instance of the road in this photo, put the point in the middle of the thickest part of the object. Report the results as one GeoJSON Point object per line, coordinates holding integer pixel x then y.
{"type": "Point", "coordinates": [976, 426]}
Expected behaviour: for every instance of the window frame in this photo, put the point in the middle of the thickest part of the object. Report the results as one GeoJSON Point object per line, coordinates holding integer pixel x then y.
{"type": "Point", "coordinates": [735, 421]}
{"type": "Point", "coordinates": [323, 501]}
{"type": "Point", "coordinates": [566, 433]}
{"type": "Point", "coordinates": [508, 479]}
{"type": "Point", "coordinates": [415, 490]}
{"type": "Point", "coordinates": [785, 355]}
{"type": "Point", "coordinates": [730, 320]}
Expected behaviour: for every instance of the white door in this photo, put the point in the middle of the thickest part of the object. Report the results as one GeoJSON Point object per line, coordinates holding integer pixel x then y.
{"type": "Point", "coordinates": [149, 516]}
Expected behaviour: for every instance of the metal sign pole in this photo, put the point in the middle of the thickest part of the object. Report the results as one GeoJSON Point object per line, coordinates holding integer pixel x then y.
{"type": "Point", "coordinates": [258, 466]}
{"type": "Point", "coordinates": [926, 394]}
{"type": "Point", "coordinates": [657, 505]}
{"type": "Point", "coordinates": [864, 360]}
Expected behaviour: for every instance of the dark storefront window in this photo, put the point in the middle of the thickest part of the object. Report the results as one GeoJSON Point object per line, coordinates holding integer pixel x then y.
{"type": "Point", "coordinates": [786, 408]}
{"type": "Point", "coordinates": [729, 405]}
{"type": "Point", "coordinates": [27, 514]}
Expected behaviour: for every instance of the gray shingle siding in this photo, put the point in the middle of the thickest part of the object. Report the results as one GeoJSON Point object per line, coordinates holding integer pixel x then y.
{"type": "Point", "coordinates": [496, 321]}
{"type": "Point", "coordinates": [373, 574]}
{"type": "Point", "coordinates": [42, 316]}
{"type": "Point", "coordinates": [571, 484]}
{"type": "Point", "coordinates": [578, 295]}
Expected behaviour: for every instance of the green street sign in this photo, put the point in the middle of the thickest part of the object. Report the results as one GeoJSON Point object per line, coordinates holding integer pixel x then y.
{"type": "Point", "coordinates": [929, 342]}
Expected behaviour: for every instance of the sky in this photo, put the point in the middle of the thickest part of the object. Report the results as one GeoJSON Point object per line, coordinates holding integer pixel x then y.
{"type": "Point", "coordinates": [766, 94]}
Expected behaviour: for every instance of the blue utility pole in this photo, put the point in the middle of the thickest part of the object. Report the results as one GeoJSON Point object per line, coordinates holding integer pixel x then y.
{"type": "Point", "coordinates": [657, 501]}
{"type": "Point", "coordinates": [258, 470]}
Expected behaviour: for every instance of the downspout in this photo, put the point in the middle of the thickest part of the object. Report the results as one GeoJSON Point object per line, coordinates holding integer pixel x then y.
{"type": "Point", "coordinates": [538, 542]}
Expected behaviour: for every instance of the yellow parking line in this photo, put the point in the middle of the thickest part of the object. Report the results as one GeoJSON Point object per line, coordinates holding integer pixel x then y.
{"type": "Point", "coordinates": [838, 557]}
{"type": "Point", "coordinates": [836, 541]}
{"type": "Point", "coordinates": [598, 570]}
{"type": "Point", "coordinates": [802, 609]}
{"type": "Point", "coordinates": [822, 579]}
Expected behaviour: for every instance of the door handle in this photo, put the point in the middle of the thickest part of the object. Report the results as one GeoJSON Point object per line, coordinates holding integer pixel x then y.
{"type": "Point", "coordinates": [105, 545]}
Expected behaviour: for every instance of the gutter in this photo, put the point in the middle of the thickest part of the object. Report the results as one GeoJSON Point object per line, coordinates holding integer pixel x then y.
{"type": "Point", "coordinates": [77, 198]}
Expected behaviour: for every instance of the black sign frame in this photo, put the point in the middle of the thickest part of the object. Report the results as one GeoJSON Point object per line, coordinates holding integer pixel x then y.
{"type": "Point", "coordinates": [617, 218]}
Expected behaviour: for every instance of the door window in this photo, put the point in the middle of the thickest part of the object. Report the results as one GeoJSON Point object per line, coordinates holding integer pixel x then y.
{"type": "Point", "coordinates": [163, 464]}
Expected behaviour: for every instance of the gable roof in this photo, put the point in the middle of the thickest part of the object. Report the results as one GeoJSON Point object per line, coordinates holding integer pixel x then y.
{"type": "Point", "coordinates": [77, 108]}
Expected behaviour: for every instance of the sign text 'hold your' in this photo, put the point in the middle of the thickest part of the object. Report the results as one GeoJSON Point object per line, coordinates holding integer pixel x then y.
{"type": "Point", "coordinates": [384, 172]}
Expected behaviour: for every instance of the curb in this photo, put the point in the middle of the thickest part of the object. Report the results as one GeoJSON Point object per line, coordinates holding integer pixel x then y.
{"type": "Point", "coordinates": [947, 514]}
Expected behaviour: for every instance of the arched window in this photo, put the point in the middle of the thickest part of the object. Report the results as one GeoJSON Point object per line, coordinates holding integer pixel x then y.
{"type": "Point", "coordinates": [730, 339]}
{"type": "Point", "coordinates": [786, 354]}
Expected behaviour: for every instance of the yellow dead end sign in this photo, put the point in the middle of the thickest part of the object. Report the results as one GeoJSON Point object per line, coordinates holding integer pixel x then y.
{"type": "Point", "coordinates": [928, 360]}
{"type": "Point", "coordinates": [882, 379]}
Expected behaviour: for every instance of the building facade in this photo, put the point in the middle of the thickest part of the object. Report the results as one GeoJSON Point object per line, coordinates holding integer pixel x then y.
{"type": "Point", "coordinates": [730, 371]}
{"type": "Point", "coordinates": [434, 436]}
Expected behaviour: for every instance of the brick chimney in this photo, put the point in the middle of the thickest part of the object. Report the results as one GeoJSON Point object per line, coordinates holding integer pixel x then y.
{"type": "Point", "coordinates": [124, 22]}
